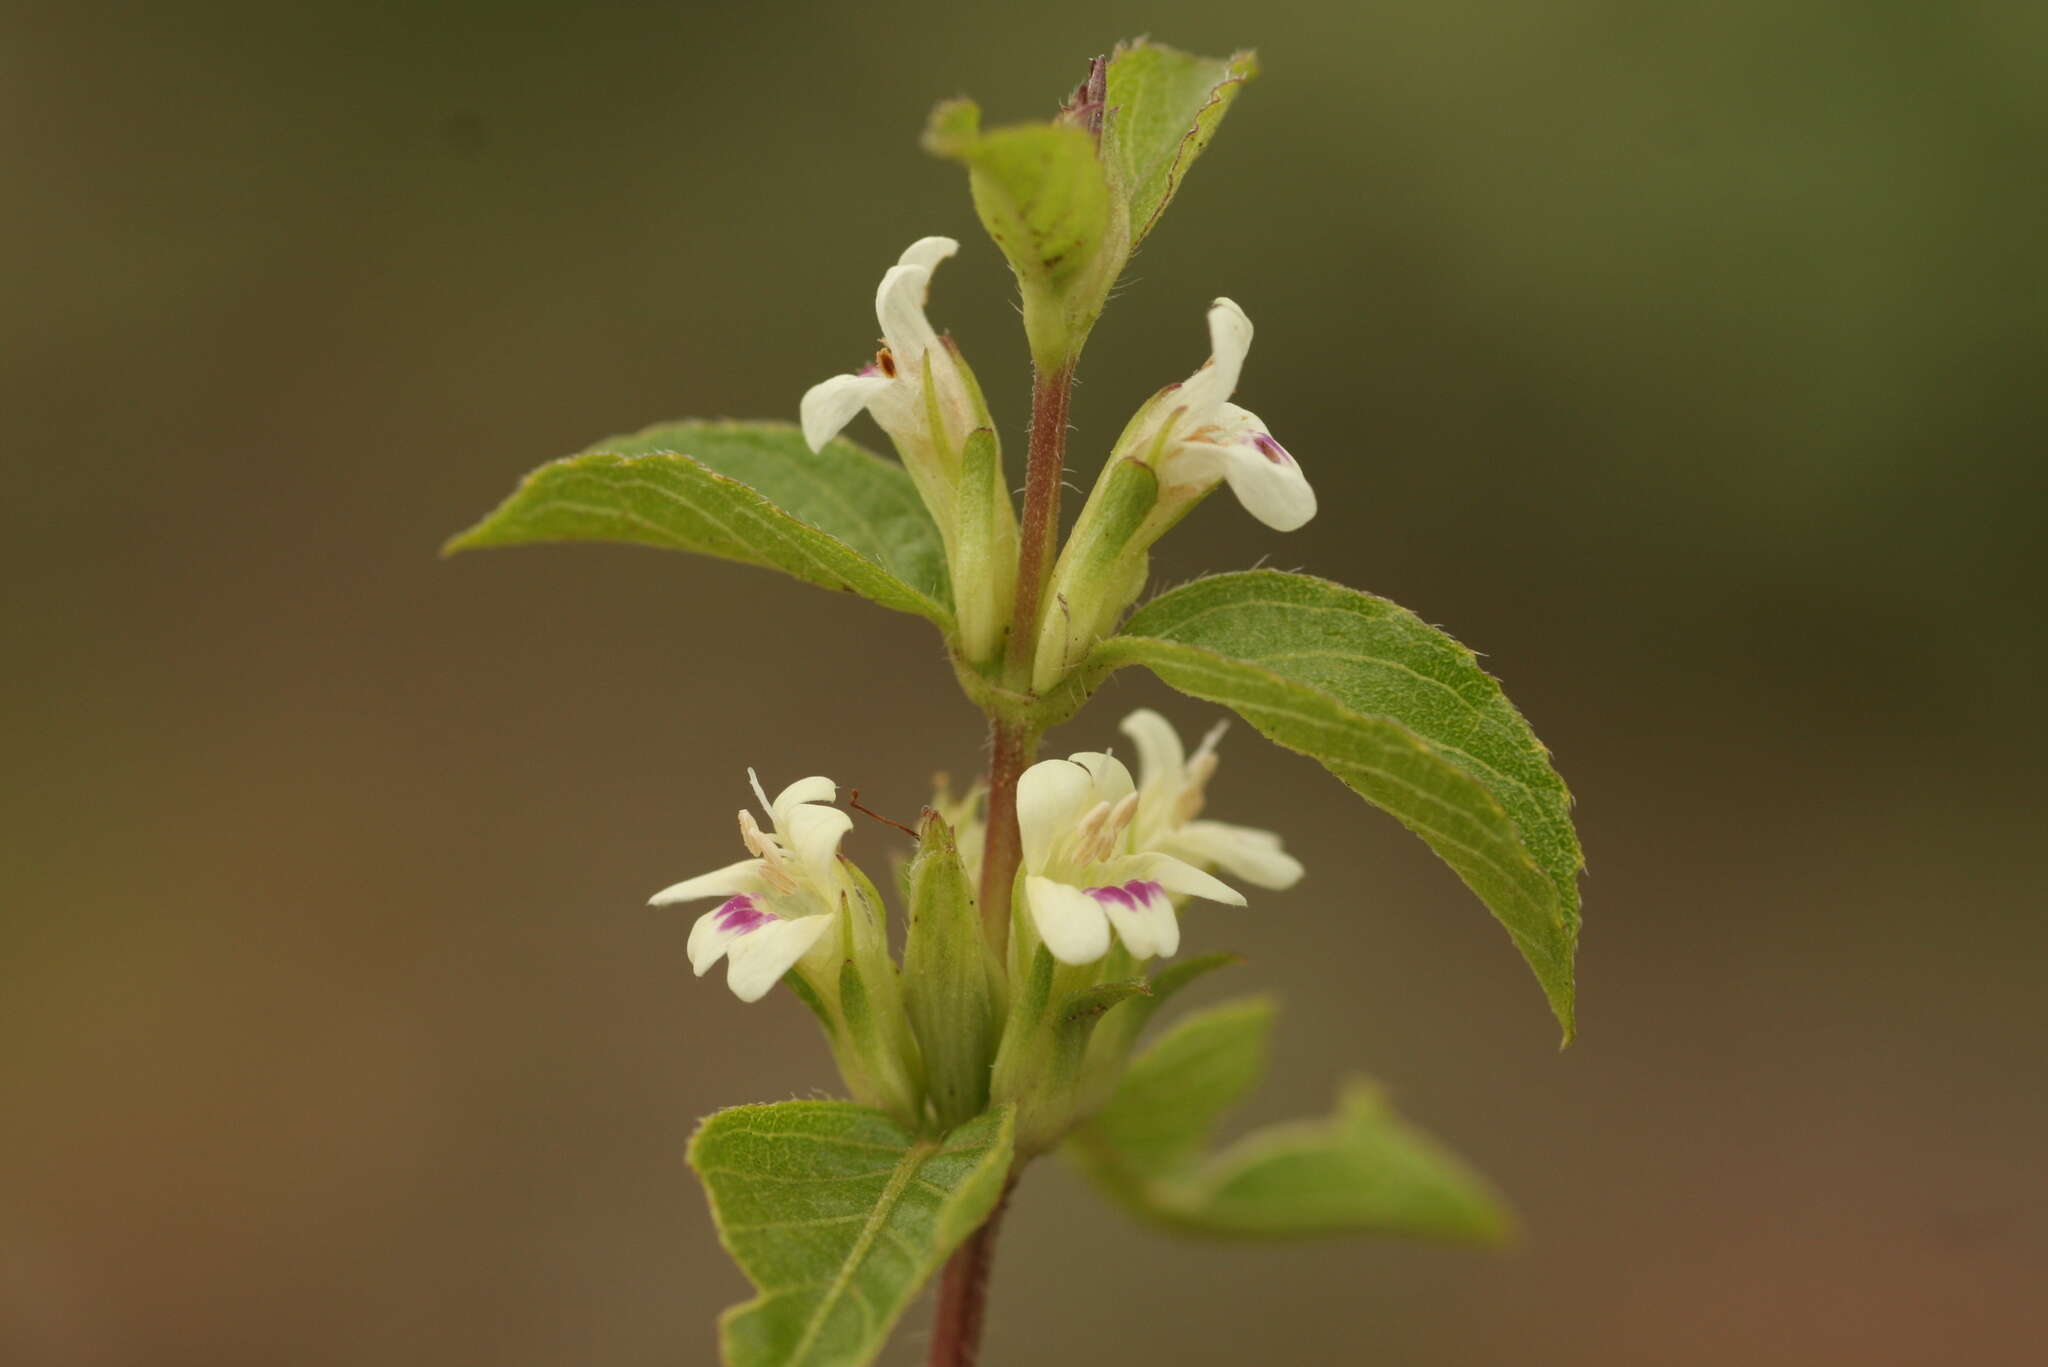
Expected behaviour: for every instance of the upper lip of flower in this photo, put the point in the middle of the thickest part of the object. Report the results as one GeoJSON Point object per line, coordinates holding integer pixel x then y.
{"type": "Point", "coordinates": [1170, 798]}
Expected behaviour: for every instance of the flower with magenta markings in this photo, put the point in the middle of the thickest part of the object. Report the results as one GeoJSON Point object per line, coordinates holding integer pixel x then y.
{"type": "Point", "coordinates": [1192, 436]}
{"type": "Point", "coordinates": [1084, 876]}
{"type": "Point", "coordinates": [1172, 787]}
{"type": "Point", "coordinates": [778, 904]}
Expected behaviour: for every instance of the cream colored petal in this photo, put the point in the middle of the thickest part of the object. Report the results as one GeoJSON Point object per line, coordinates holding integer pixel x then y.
{"type": "Point", "coordinates": [1177, 875]}
{"type": "Point", "coordinates": [928, 252]}
{"type": "Point", "coordinates": [1245, 853]}
{"type": "Point", "coordinates": [899, 308]}
{"type": "Point", "coordinates": [760, 958]}
{"type": "Point", "coordinates": [1161, 760]}
{"type": "Point", "coordinates": [1230, 338]}
{"type": "Point", "coordinates": [816, 788]}
{"type": "Point", "coordinates": [1070, 922]}
{"type": "Point", "coordinates": [1112, 780]}
{"type": "Point", "coordinates": [1051, 795]}
{"type": "Point", "coordinates": [831, 404]}
{"type": "Point", "coordinates": [744, 876]}
{"type": "Point", "coordinates": [814, 833]}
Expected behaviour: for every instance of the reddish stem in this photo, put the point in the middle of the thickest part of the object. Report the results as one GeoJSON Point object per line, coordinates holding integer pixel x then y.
{"type": "Point", "coordinates": [1045, 465]}
{"type": "Point", "coordinates": [1010, 752]}
{"type": "Point", "coordinates": [963, 1293]}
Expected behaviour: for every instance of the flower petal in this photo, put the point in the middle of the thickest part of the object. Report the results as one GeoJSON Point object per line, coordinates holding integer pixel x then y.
{"type": "Point", "coordinates": [717, 929]}
{"type": "Point", "coordinates": [1071, 923]}
{"type": "Point", "coordinates": [761, 957]}
{"type": "Point", "coordinates": [899, 308]}
{"type": "Point", "coordinates": [814, 833]}
{"type": "Point", "coordinates": [1142, 914]}
{"type": "Point", "coordinates": [1112, 780]}
{"type": "Point", "coordinates": [1051, 795]}
{"type": "Point", "coordinates": [1176, 875]}
{"type": "Point", "coordinates": [1230, 338]}
{"type": "Point", "coordinates": [1262, 474]}
{"type": "Point", "coordinates": [928, 252]}
{"type": "Point", "coordinates": [1244, 852]}
{"type": "Point", "coordinates": [816, 788]}
{"type": "Point", "coordinates": [1160, 756]}
{"type": "Point", "coordinates": [744, 876]}
{"type": "Point", "coordinates": [831, 404]}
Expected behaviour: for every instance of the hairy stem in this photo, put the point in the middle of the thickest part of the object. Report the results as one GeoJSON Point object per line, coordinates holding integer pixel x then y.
{"type": "Point", "coordinates": [963, 1293]}
{"type": "Point", "coordinates": [1051, 391]}
{"type": "Point", "coordinates": [1012, 744]}
{"type": "Point", "coordinates": [1011, 748]}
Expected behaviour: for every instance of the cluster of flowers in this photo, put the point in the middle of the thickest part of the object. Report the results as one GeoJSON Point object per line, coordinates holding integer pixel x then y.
{"type": "Point", "coordinates": [1106, 860]}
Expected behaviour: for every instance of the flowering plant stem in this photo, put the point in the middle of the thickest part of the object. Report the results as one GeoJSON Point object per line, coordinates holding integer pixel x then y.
{"type": "Point", "coordinates": [963, 1292]}
{"type": "Point", "coordinates": [1012, 742]}
{"type": "Point", "coordinates": [1013, 745]}
{"type": "Point", "coordinates": [1041, 911]}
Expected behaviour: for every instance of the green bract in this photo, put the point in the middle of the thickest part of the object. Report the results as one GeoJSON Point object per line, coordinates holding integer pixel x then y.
{"type": "Point", "coordinates": [1035, 898]}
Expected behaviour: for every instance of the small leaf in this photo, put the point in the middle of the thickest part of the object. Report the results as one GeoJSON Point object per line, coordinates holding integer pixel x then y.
{"type": "Point", "coordinates": [1403, 715]}
{"type": "Point", "coordinates": [1174, 1093]}
{"type": "Point", "coordinates": [1361, 1171]}
{"type": "Point", "coordinates": [1044, 198]}
{"type": "Point", "coordinates": [841, 518]}
{"type": "Point", "coordinates": [1163, 106]}
{"type": "Point", "coordinates": [838, 1215]}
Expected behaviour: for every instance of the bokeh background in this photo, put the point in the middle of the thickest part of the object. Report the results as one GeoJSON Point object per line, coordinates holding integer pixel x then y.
{"type": "Point", "coordinates": [1685, 359]}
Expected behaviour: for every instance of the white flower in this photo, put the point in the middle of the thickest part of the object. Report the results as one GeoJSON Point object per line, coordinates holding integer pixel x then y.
{"type": "Point", "coordinates": [778, 904]}
{"type": "Point", "coordinates": [892, 386]}
{"type": "Point", "coordinates": [1170, 794]}
{"type": "Point", "coordinates": [1200, 437]}
{"type": "Point", "coordinates": [1082, 875]}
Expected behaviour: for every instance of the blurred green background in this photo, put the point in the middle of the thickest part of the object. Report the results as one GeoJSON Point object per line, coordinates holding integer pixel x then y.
{"type": "Point", "coordinates": [1685, 359]}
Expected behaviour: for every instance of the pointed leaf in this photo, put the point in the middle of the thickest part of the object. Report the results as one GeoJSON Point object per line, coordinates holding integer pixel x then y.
{"type": "Point", "coordinates": [838, 1215]}
{"type": "Point", "coordinates": [1174, 1093]}
{"type": "Point", "coordinates": [1361, 1171]}
{"type": "Point", "coordinates": [1163, 107]}
{"type": "Point", "coordinates": [1403, 715]}
{"type": "Point", "coordinates": [1044, 198]}
{"type": "Point", "coordinates": [841, 518]}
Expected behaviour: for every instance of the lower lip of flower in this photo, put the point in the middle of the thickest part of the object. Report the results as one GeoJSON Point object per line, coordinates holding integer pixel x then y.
{"type": "Point", "coordinates": [1271, 450]}
{"type": "Point", "coordinates": [741, 914]}
{"type": "Point", "coordinates": [1137, 893]}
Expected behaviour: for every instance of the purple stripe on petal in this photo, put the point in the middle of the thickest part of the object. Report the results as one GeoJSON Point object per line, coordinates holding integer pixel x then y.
{"type": "Point", "coordinates": [1270, 449]}
{"type": "Point", "coordinates": [1116, 896]}
{"type": "Point", "coordinates": [741, 914]}
{"type": "Point", "coordinates": [1143, 891]}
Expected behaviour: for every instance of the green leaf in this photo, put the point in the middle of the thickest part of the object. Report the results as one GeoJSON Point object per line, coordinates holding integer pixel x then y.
{"type": "Point", "coordinates": [1043, 196]}
{"type": "Point", "coordinates": [1403, 715]}
{"type": "Point", "coordinates": [841, 518]}
{"type": "Point", "coordinates": [1163, 106]}
{"type": "Point", "coordinates": [1361, 1171]}
{"type": "Point", "coordinates": [1174, 1093]}
{"type": "Point", "coordinates": [838, 1215]}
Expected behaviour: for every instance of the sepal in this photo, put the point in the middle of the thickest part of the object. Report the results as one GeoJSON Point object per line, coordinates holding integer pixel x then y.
{"type": "Point", "coordinates": [951, 980]}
